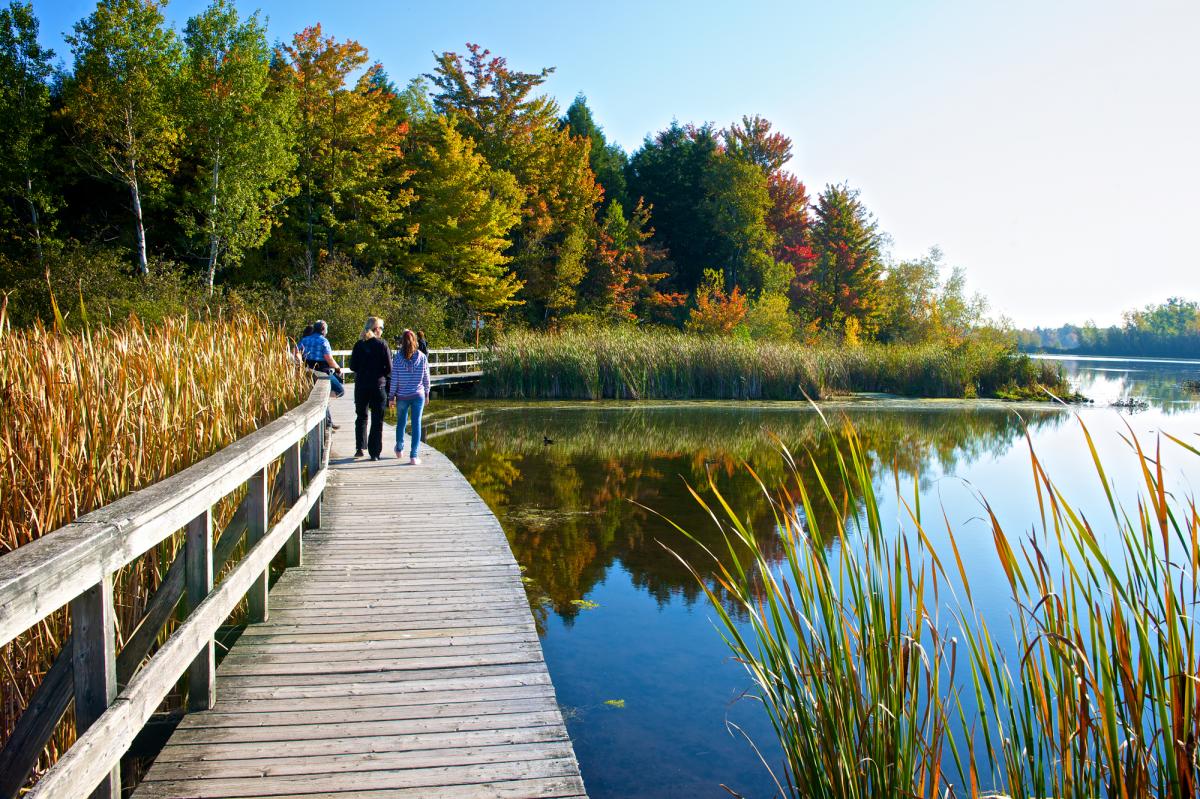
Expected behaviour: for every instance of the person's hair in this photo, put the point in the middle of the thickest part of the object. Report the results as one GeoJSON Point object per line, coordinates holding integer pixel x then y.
{"type": "Point", "coordinates": [308, 331]}
{"type": "Point", "coordinates": [320, 327]}
{"type": "Point", "coordinates": [368, 330]}
{"type": "Point", "coordinates": [420, 334]}
{"type": "Point", "coordinates": [408, 343]}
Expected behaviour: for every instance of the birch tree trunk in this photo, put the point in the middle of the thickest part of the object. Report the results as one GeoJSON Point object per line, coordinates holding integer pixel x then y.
{"type": "Point", "coordinates": [143, 264]}
{"type": "Point", "coordinates": [214, 237]}
{"type": "Point", "coordinates": [33, 216]}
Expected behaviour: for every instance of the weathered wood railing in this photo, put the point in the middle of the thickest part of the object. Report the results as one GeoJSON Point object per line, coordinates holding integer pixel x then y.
{"type": "Point", "coordinates": [115, 693]}
{"type": "Point", "coordinates": [435, 425]}
{"type": "Point", "coordinates": [446, 366]}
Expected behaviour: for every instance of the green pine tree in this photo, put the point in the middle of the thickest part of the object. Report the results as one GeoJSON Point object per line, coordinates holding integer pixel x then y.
{"type": "Point", "coordinates": [845, 290]}
{"type": "Point", "coordinates": [518, 131]}
{"type": "Point", "coordinates": [608, 161]}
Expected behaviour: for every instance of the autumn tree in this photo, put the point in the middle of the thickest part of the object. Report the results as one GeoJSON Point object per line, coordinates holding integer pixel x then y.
{"type": "Point", "coordinates": [716, 311]}
{"type": "Point", "coordinates": [463, 212]}
{"type": "Point", "coordinates": [351, 193]}
{"type": "Point", "coordinates": [627, 270]}
{"type": "Point", "coordinates": [754, 142]}
{"type": "Point", "coordinates": [517, 131]}
{"type": "Point", "coordinates": [608, 161]}
{"type": "Point", "coordinates": [24, 110]}
{"type": "Point", "coordinates": [120, 100]}
{"type": "Point", "coordinates": [238, 136]}
{"type": "Point", "coordinates": [844, 293]}
{"type": "Point", "coordinates": [917, 304]}
{"type": "Point", "coordinates": [710, 208]}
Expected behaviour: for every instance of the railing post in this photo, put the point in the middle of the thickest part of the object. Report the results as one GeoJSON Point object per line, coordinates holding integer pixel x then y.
{"type": "Point", "coordinates": [315, 444]}
{"type": "Point", "coordinates": [94, 663]}
{"type": "Point", "coordinates": [258, 508]}
{"type": "Point", "coordinates": [294, 548]}
{"type": "Point", "coordinates": [202, 674]}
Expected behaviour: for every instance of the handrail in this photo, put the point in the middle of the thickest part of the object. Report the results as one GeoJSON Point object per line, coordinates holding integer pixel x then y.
{"type": "Point", "coordinates": [38, 578]}
{"type": "Point", "coordinates": [76, 564]}
{"type": "Point", "coordinates": [436, 367]}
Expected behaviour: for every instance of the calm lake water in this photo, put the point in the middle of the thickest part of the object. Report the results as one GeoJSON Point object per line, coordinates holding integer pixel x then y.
{"type": "Point", "coordinates": [647, 685]}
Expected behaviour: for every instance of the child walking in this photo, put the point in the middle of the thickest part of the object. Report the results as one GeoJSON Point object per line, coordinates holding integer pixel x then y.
{"type": "Point", "coordinates": [409, 391]}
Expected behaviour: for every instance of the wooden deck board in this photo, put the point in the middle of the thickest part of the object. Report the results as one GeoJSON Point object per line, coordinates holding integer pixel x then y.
{"type": "Point", "coordinates": [400, 661]}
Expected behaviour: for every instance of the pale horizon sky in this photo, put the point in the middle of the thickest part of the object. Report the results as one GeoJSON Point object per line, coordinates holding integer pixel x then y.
{"type": "Point", "coordinates": [1050, 149]}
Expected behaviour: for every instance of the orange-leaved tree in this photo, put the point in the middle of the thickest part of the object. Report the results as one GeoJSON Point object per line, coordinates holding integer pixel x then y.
{"type": "Point", "coordinates": [716, 311]}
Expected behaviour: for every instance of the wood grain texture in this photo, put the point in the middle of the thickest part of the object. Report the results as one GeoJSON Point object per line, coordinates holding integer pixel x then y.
{"type": "Point", "coordinates": [42, 576]}
{"type": "Point", "coordinates": [400, 660]}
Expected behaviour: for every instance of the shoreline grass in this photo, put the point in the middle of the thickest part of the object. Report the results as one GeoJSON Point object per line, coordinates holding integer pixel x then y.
{"type": "Point", "coordinates": [621, 364]}
{"type": "Point", "coordinates": [1095, 692]}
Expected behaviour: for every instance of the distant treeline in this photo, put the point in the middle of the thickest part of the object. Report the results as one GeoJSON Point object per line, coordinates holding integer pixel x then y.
{"type": "Point", "coordinates": [1169, 330]}
{"type": "Point", "coordinates": [209, 159]}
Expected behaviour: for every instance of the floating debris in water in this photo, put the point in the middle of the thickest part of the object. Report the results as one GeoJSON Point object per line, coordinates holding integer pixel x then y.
{"type": "Point", "coordinates": [585, 604]}
{"type": "Point", "coordinates": [617, 703]}
{"type": "Point", "coordinates": [1130, 404]}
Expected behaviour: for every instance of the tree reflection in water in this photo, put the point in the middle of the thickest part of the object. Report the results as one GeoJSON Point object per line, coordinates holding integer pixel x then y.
{"type": "Point", "coordinates": [573, 508]}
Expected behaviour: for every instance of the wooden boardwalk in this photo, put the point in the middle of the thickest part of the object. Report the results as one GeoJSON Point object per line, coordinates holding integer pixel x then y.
{"type": "Point", "coordinates": [400, 660]}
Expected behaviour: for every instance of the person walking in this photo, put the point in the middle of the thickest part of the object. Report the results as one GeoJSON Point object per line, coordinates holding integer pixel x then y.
{"type": "Point", "coordinates": [422, 344]}
{"type": "Point", "coordinates": [371, 362]}
{"type": "Point", "coordinates": [318, 356]}
{"type": "Point", "coordinates": [410, 392]}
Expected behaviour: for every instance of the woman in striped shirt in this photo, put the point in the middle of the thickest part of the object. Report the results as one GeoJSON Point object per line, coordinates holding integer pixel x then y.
{"type": "Point", "coordinates": [409, 391]}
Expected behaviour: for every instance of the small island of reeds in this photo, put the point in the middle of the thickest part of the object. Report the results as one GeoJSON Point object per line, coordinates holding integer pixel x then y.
{"type": "Point", "coordinates": [666, 364]}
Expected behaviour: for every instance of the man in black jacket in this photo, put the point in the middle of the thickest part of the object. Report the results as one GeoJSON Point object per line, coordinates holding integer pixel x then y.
{"type": "Point", "coordinates": [371, 361]}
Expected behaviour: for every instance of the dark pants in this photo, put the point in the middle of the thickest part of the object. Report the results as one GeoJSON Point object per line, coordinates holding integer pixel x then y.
{"type": "Point", "coordinates": [369, 399]}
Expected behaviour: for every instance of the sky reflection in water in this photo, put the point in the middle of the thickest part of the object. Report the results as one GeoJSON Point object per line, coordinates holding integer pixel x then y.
{"type": "Point", "coordinates": [577, 514]}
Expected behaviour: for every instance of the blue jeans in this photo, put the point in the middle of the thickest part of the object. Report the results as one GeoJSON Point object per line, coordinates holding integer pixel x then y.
{"type": "Point", "coordinates": [404, 407]}
{"type": "Point", "coordinates": [336, 389]}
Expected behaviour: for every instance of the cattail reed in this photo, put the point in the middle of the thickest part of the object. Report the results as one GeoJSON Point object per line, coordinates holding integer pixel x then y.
{"type": "Point", "coordinates": [92, 415]}
{"type": "Point", "coordinates": [879, 681]}
{"type": "Point", "coordinates": [663, 364]}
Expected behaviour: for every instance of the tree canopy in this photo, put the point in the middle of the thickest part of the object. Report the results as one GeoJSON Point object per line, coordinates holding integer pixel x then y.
{"type": "Point", "coordinates": [218, 158]}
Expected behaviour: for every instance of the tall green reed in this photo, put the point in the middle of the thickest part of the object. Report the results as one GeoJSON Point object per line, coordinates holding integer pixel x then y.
{"type": "Point", "coordinates": [1105, 697]}
{"type": "Point", "coordinates": [846, 651]}
{"type": "Point", "coordinates": [1096, 692]}
{"type": "Point", "coordinates": [661, 364]}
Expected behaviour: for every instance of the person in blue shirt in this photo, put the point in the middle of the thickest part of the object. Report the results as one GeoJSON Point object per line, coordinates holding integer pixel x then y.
{"type": "Point", "coordinates": [318, 355]}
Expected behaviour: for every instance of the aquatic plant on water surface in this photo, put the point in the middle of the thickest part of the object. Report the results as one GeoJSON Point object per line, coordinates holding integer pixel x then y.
{"type": "Point", "coordinates": [96, 414]}
{"type": "Point", "coordinates": [881, 677]}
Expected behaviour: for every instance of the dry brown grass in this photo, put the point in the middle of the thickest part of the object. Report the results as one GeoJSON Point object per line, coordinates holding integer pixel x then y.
{"type": "Point", "coordinates": [93, 415]}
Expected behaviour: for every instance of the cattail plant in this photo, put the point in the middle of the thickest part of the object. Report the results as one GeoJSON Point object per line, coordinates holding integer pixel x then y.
{"type": "Point", "coordinates": [663, 364]}
{"type": "Point", "coordinates": [844, 644]}
{"type": "Point", "coordinates": [1095, 693]}
{"type": "Point", "coordinates": [96, 414]}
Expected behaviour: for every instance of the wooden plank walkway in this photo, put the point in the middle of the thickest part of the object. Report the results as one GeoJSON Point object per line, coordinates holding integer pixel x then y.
{"type": "Point", "coordinates": [400, 660]}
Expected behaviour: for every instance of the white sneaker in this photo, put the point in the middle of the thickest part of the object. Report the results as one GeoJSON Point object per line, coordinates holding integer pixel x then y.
{"type": "Point", "coordinates": [414, 461]}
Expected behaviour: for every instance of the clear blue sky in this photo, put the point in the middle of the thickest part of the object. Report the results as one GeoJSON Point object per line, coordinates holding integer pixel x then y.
{"type": "Point", "coordinates": [1050, 148]}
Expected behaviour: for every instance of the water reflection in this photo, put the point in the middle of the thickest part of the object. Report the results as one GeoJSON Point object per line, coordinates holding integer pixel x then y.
{"type": "Point", "coordinates": [1168, 386]}
{"type": "Point", "coordinates": [576, 512]}
{"type": "Point", "coordinates": [574, 507]}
